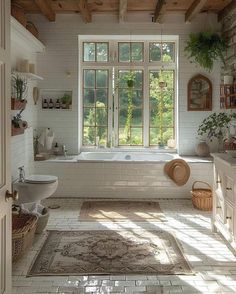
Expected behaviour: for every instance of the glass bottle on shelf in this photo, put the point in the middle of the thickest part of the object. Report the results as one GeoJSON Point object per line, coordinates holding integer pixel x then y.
{"type": "Point", "coordinates": [50, 104]}
{"type": "Point", "coordinates": [45, 103]}
{"type": "Point", "coordinates": [57, 105]}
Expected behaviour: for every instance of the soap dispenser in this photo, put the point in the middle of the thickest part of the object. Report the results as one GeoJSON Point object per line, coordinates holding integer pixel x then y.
{"type": "Point", "coordinates": [56, 149]}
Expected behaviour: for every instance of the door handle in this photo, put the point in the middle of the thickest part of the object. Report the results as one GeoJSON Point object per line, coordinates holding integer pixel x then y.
{"type": "Point", "coordinates": [13, 195]}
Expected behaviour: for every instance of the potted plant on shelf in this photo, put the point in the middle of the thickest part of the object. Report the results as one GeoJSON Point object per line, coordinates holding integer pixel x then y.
{"type": "Point", "coordinates": [18, 125]}
{"type": "Point", "coordinates": [216, 126]}
{"type": "Point", "coordinates": [19, 89]}
{"type": "Point", "coordinates": [206, 47]}
{"type": "Point", "coordinates": [66, 101]}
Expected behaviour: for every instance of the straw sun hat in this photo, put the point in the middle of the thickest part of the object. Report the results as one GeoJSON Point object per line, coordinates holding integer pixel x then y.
{"type": "Point", "coordinates": [178, 170]}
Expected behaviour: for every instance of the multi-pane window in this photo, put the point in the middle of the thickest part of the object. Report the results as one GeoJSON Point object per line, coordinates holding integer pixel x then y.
{"type": "Point", "coordinates": [95, 103]}
{"type": "Point", "coordinates": [161, 106]}
{"type": "Point", "coordinates": [95, 51]}
{"type": "Point", "coordinates": [130, 51]}
{"type": "Point", "coordinates": [130, 95]}
{"type": "Point", "coordinates": [128, 91]}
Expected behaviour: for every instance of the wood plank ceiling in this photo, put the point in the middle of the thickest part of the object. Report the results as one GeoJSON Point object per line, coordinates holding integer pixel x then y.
{"type": "Point", "coordinates": [49, 8]}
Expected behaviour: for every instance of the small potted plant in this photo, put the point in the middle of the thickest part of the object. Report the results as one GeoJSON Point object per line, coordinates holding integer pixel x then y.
{"type": "Point", "coordinates": [18, 125]}
{"type": "Point", "coordinates": [66, 101]}
{"type": "Point", "coordinates": [206, 47]}
{"type": "Point", "coordinates": [19, 89]}
{"type": "Point", "coordinates": [216, 126]}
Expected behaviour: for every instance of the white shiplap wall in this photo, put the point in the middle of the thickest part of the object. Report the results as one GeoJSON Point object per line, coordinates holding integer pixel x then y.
{"type": "Point", "coordinates": [61, 40]}
{"type": "Point", "coordinates": [22, 145]}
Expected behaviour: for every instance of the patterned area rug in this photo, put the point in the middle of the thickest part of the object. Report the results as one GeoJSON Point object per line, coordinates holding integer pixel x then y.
{"type": "Point", "coordinates": [109, 252]}
{"type": "Point", "coordinates": [112, 211]}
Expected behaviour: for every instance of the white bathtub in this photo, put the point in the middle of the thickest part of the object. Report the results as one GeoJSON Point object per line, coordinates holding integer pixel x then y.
{"type": "Point", "coordinates": [126, 156]}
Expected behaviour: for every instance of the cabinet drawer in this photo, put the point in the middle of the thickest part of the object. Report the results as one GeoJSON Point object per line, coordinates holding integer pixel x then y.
{"type": "Point", "coordinates": [219, 209]}
{"type": "Point", "coordinates": [229, 217]}
{"type": "Point", "coordinates": [229, 184]}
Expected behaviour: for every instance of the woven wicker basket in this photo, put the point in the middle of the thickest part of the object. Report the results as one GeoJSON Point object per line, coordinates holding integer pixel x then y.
{"type": "Point", "coordinates": [23, 230]}
{"type": "Point", "coordinates": [202, 197]}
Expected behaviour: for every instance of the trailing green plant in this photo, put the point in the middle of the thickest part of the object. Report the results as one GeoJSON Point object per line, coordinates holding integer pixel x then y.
{"type": "Point", "coordinates": [206, 47]}
{"type": "Point", "coordinates": [19, 87]}
{"type": "Point", "coordinates": [216, 125]}
{"type": "Point", "coordinates": [66, 99]}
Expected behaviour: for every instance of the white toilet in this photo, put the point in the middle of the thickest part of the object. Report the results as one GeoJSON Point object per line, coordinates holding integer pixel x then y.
{"type": "Point", "coordinates": [35, 188]}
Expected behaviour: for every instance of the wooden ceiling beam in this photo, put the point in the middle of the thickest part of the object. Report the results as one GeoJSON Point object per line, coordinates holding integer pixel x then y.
{"type": "Point", "coordinates": [122, 10]}
{"type": "Point", "coordinates": [84, 10]}
{"type": "Point", "coordinates": [194, 9]}
{"type": "Point", "coordinates": [159, 10]}
{"type": "Point", "coordinates": [230, 7]}
{"type": "Point", "coordinates": [46, 9]}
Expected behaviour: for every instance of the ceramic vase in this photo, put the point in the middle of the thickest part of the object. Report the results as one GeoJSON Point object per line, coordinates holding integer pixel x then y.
{"type": "Point", "coordinates": [202, 149]}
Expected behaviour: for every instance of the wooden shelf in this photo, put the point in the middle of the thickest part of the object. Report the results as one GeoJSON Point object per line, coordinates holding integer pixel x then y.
{"type": "Point", "coordinates": [27, 75]}
{"type": "Point", "coordinates": [22, 37]}
{"type": "Point", "coordinates": [228, 96]}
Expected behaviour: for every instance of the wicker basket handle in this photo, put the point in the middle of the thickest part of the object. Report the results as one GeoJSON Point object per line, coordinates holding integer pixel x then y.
{"type": "Point", "coordinates": [194, 183]}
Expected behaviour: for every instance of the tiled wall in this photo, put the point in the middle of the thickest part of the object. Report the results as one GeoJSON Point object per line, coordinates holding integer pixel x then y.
{"type": "Point", "coordinates": [22, 145]}
{"type": "Point", "coordinates": [121, 180]}
{"type": "Point", "coordinates": [61, 56]}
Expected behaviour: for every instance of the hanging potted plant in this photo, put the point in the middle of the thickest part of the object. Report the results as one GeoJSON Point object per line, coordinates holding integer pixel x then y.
{"type": "Point", "coordinates": [19, 90]}
{"type": "Point", "coordinates": [18, 125]}
{"type": "Point", "coordinates": [205, 47]}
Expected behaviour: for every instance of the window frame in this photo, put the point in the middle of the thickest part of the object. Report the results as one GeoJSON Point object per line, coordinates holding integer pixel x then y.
{"type": "Point", "coordinates": [146, 65]}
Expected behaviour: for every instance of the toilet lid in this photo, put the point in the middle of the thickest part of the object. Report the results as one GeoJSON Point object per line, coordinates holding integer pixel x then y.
{"type": "Point", "coordinates": [43, 179]}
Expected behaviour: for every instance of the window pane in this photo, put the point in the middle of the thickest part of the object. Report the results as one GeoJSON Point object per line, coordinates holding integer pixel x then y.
{"type": "Point", "coordinates": [89, 136]}
{"type": "Point", "coordinates": [137, 51]}
{"type": "Point", "coordinates": [168, 52]}
{"type": "Point", "coordinates": [138, 84]}
{"type": "Point", "coordinates": [166, 134]}
{"type": "Point", "coordinates": [137, 98]}
{"type": "Point", "coordinates": [167, 118]}
{"type": "Point", "coordinates": [101, 97]}
{"type": "Point", "coordinates": [88, 97]}
{"type": "Point", "coordinates": [124, 136]}
{"type": "Point", "coordinates": [155, 52]}
{"type": "Point", "coordinates": [123, 114]}
{"type": "Point", "coordinates": [137, 117]}
{"type": "Point", "coordinates": [101, 116]}
{"type": "Point", "coordinates": [101, 132]}
{"type": "Point", "coordinates": [155, 118]}
{"type": "Point", "coordinates": [89, 51]}
{"type": "Point", "coordinates": [136, 136]}
{"type": "Point", "coordinates": [89, 78]}
{"type": "Point", "coordinates": [161, 107]}
{"type": "Point", "coordinates": [89, 116]}
{"type": "Point", "coordinates": [124, 52]}
{"type": "Point", "coordinates": [154, 136]}
{"type": "Point", "coordinates": [102, 51]}
{"type": "Point", "coordinates": [101, 78]}
{"type": "Point", "coordinates": [123, 98]}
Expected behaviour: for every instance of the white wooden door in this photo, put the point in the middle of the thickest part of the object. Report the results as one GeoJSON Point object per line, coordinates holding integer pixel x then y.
{"type": "Point", "coordinates": [5, 206]}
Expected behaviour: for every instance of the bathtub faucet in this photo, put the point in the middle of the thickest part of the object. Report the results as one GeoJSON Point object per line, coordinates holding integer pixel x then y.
{"type": "Point", "coordinates": [21, 174]}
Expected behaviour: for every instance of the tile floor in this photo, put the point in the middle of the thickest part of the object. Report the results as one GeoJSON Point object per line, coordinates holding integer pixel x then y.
{"type": "Point", "coordinates": [214, 264]}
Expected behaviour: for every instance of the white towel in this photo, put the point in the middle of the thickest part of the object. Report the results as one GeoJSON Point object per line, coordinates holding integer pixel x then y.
{"type": "Point", "coordinates": [42, 138]}
{"type": "Point", "coordinates": [49, 139]}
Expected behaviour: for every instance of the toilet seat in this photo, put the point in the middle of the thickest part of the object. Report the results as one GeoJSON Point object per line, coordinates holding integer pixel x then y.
{"type": "Point", "coordinates": [41, 179]}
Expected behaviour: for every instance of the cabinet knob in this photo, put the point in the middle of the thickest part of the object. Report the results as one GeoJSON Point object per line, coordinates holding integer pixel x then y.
{"type": "Point", "coordinates": [13, 195]}
{"type": "Point", "coordinates": [228, 217]}
{"type": "Point", "coordinates": [229, 189]}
